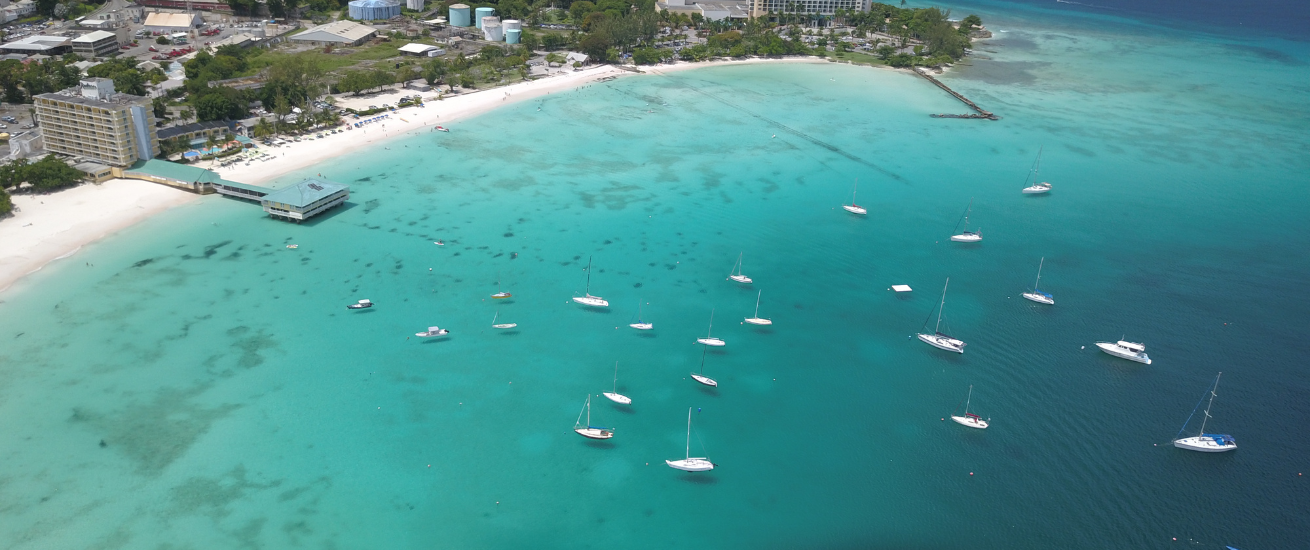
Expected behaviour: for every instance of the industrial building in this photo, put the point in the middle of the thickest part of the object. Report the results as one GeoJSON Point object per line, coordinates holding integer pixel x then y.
{"type": "Point", "coordinates": [459, 15]}
{"type": "Point", "coordinates": [421, 50]}
{"type": "Point", "coordinates": [95, 122]}
{"type": "Point", "coordinates": [337, 33]}
{"type": "Point", "coordinates": [38, 44]}
{"type": "Point", "coordinates": [368, 10]}
{"type": "Point", "coordinates": [173, 22]}
{"type": "Point", "coordinates": [305, 199]}
{"type": "Point", "coordinates": [95, 44]}
{"type": "Point", "coordinates": [719, 10]}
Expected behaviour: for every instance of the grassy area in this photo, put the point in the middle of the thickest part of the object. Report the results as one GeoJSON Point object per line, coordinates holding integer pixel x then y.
{"type": "Point", "coordinates": [855, 57]}
{"type": "Point", "coordinates": [337, 60]}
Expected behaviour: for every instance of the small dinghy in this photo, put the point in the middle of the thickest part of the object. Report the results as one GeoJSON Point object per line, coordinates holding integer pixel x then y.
{"type": "Point", "coordinates": [432, 331]}
{"type": "Point", "coordinates": [442, 129]}
{"type": "Point", "coordinates": [362, 304]}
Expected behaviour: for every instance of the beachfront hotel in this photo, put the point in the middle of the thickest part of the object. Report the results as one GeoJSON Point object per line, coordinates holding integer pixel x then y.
{"type": "Point", "coordinates": [93, 121]}
{"type": "Point", "coordinates": [761, 8]}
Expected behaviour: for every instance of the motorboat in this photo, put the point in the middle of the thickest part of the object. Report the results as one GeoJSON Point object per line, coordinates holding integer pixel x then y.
{"type": "Point", "coordinates": [938, 339]}
{"type": "Point", "coordinates": [589, 431]}
{"type": "Point", "coordinates": [737, 275]}
{"type": "Point", "coordinates": [1131, 351]}
{"type": "Point", "coordinates": [1204, 442]}
{"type": "Point", "coordinates": [362, 304]}
{"type": "Point", "coordinates": [442, 129]}
{"type": "Point", "coordinates": [689, 463]}
{"type": "Point", "coordinates": [432, 331]}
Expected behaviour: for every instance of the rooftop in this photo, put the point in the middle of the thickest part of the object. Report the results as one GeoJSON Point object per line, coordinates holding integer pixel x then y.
{"type": "Point", "coordinates": [305, 193]}
{"type": "Point", "coordinates": [415, 47]}
{"type": "Point", "coordinates": [171, 20]}
{"type": "Point", "coordinates": [74, 95]}
{"type": "Point", "coordinates": [166, 133]}
{"type": "Point", "coordinates": [94, 36]}
{"type": "Point", "coordinates": [36, 43]}
{"type": "Point", "coordinates": [174, 171]}
{"type": "Point", "coordinates": [348, 30]}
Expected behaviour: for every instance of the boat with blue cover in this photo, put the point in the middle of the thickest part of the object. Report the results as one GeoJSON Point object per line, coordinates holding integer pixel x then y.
{"type": "Point", "coordinates": [1204, 442]}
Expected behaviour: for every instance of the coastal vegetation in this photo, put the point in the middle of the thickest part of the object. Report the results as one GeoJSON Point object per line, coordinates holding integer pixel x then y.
{"type": "Point", "coordinates": [42, 176]}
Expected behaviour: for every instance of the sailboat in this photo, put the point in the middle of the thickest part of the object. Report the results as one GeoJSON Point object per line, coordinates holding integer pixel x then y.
{"type": "Point", "coordinates": [967, 236]}
{"type": "Point", "coordinates": [502, 325]}
{"type": "Point", "coordinates": [500, 295]}
{"type": "Point", "coordinates": [362, 304]}
{"type": "Point", "coordinates": [937, 339]}
{"type": "Point", "coordinates": [969, 419]}
{"type": "Point", "coordinates": [736, 274]}
{"type": "Point", "coordinates": [710, 340]}
{"type": "Point", "coordinates": [1204, 442]}
{"type": "Point", "coordinates": [591, 432]}
{"type": "Point", "coordinates": [757, 320]}
{"type": "Point", "coordinates": [690, 464]}
{"type": "Point", "coordinates": [432, 331]}
{"type": "Point", "coordinates": [852, 207]}
{"type": "Point", "coordinates": [700, 376]}
{"type": "Point", "coordinates": [1036, 187]}
{"type": "Point", "coordinates": [615, 396]}
{"type": "Point", "coordinates": [1131, 351]}
{"type": "Point", "coordinates": [1037, 295]}
{"type": "Point", "coordinates": [641, 325]}
{"type": "Point", "coordinates": [588, 299]}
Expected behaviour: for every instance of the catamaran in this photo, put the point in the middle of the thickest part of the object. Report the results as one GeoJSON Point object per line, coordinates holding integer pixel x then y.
{"type": "Point", "coordinates": [615, 396]}
{"type": "Point", "coordinates": [1036, 187]}
{"type": "Point", "coordinates": [589, 431]}
{"type": "Point", "coordinates": [1131, 351]}
{"type": "Point", "coordinates": [500, 295]}
{"type": "Point", "coordinates": [852, 207]}
{"type": "Point", "coordinates": [700, 376]}
{"type": "Point", "coordinates": [757, 320]}
{"type": "Point", "coordinates": [736, 274]}
{"type": "Point", "coordinates": [689, 464]}
{"type": "Point", "coordinates": [969, 419]}
{"type": "Point", "coordinates": [432, 331]}
{"type": "Point", "coordinates": [967, 236]}
{"type": "Point", "coordinates": [501, 325]}
{"type": "Point", "coordinates": [937, 339]}
{"type": "Point", "coordinates": [641, 325]}
{"type": "Point", "coordinates": [709, 339]}
{"type": "Point", "coordinates": [1037, 295]}
{"type": "Point", "coordinates": [362, 304]}
{"type": "Point", "coordinates": [588, 299]}
{"type": "Point", "coordinates": [1204, 442]}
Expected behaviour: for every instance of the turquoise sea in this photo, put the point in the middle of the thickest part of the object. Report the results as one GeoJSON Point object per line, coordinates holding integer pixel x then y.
{"type": "Point", "coordinates": [193, 383]}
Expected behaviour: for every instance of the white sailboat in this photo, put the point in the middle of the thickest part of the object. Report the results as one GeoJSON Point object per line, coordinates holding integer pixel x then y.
{"type": "Point", "coordinates": [641, 325]}
{"type": "Point", "coordinates": [362, 304]}
{"type": "Point", "coordinates": [690, 464]}
{"type": "Point", "coordinates": [615, 396]}
{"type": "Point", "coordinates": [967, 236]}
{"type": "Point", "coordinates": [1204, 442]}
{"type": "Point", "coordinates": [1037, 295]}
{"type": "Point", "coordinates": [500, 295]}
{"type": "Point", "coordinates": [852, 207]}
{"type": "Point", "coordinates": [587, 430]}
{"type": "Point", "coordinates": [937, 339]}
{"type": "Point", "coordinates": [736, 274]}
{"type": "Point", "coordinates": [588, 299]}
{"type": "Point", "coordinates": [432, 331]}
{"type": "Point", "coordinates": [700, 376]}
{"type": "Point", "coordinates": [969, 419]}
{"type": "Point", "coordinates": [757, 320]}
{"type": "Point", "coordinates": [709, 339]}
{"type": "Point", "coordinates": [501, 325]}
{"type": "Point", "coordinates": [1131, 351]}
{"type": "Point", "coordinates": [1037, 186]}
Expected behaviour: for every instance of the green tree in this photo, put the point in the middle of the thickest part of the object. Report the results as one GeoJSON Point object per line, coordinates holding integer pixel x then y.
{"type": "Point", "coordinates": [433, 70]}
{"type": "Point", "coordinates": [6, 204]}
{"type": "Point", "coordinates": [579, 10]}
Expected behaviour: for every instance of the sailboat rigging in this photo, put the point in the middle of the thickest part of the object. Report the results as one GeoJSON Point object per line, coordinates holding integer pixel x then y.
{"type": "Point", "coordinates": [1038, 186]}
{"type": "Point", "coordinates": [589, 431]}
{"type": "Point", "coordinates": [967, 236]}
{"type": "Point", "coordinates": [937, 339]}
{"type": "Point", "coordinates": [588, 299]}
{"type": "Point", "coordinates": [737, 275]}
{"type": "Point", "coordinates": [1037, 295]}
{"type": "Point", "coordinates": [1204, 442]}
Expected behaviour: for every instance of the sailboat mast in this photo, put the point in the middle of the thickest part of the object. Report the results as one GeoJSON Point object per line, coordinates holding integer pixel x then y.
{"type": "Point", "coordinates": [1208, 405]}
{"type": "Point", "coordinates": [688, 453]}
{"type": "Point", "coordinates": [854, 189]}
{"type": "Point", "coordinates": [1039, 273]}
{"type": "Point", "coordinates": [937, 329]}
{"type": "Point", "coordinates": [968, 400]}
{"type": "Point", "coordinates": [702, 360]}
{"type": "Point", "coordinates": [1038, 166]}
{"type": "Point", "coordinates": [588, 410]}
{"type": "Point", "coordinates": [711, 330]}
{"type": "Point", "coordinates": [616, 377]}
{"type": "Point", "coordinates": [757, 304]}
{"type": "Point", "coordinates": [588, 291]}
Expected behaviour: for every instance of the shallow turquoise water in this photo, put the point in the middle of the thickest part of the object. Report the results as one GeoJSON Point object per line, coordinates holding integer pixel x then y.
{"type": "Point", "coordinates": [240, 404]}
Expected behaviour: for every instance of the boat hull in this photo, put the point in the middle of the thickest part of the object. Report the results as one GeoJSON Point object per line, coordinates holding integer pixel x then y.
{"type": "Point", "coordinates": [704, 380]}
{"type": "Point", "coordinates": [857, 210]}
{"type": "Point", "coordinates": [442, 332]}
{"type": "Point", "coordinates": [1203, 444]}
{"type": "Point", "coordinates": [642, 326]}
{"type": "Point", "coordinates": [501, 295]}
{"type": "Point", "coordinates": [967, 238]}
{"type": "Point", "coordinates": [593, 301]}
{"type": "Point", "coordinates": [740, 279]}
{"type": "Point", "coordinates": [505, 325]}
{"type": "Point", "coordinates": [713, 342]}
{"type": "Point", "coordinates": [691, 464]}
{"type": "Point", "coordinates": [1037, 189]}
{"type": "Point", "coordinates": [1121, 353]}
{"type": "Point", "coordinates": [359, 306]}
{"type": "Point", "coordinates": [943, 342]}
{"type": "Point", "coordinates": [594, 433]}
{"type": "Point", "coordinates": [759, 322]}
{"type": "Point", "coordinates": [1039, 298]}
{"type": "Point", "coordinates": [618, 398]}
{"type": "Point", "coordinates": [970, 422]}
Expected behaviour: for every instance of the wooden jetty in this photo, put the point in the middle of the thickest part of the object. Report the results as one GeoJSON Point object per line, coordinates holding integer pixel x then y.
{"type": "Point", "coordinates": [981, 112]}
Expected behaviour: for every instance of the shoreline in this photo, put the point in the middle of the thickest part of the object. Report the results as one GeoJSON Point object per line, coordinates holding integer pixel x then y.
{"type": "Point", "coordinates": [46, 228]}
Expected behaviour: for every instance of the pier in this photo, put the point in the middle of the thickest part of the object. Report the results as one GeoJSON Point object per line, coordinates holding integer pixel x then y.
{"type": "Point", "coordinates": [981, 112]}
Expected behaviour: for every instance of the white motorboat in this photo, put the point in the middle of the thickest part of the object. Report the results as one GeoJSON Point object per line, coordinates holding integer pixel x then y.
{"type": "Point", "coordinates": [1204, 442]}
{"type": "Point", "coordinates": [500, 295]}
{"type": "Point", "coordinates": [852, 207]}
{"type": "Point", "coordinates": [969, 419]}
{"type": "Point", "coordinates": [709, 339]}
{"type": "Point", "coordinates": [587, 430]}
{"type": "Point", "coordinates": [432, 331]}
{"type": "Point", "coordinates": [757, 320]}
{"type": "Point", "coordinates": [938, 339]}
{"type": "Point", "coordinates": [641, 325]}
{"type": "Point", "coordinates": [501, 325]}
{"type": "Point", "coordinates": [587, 299]}
{"type": "Point", "coordinates": [689, 463]}
{"type": "Point", "coordinates": [1037, 186]}
{"type": "Point", "coordinates": [967, 236]}
{"type": "Point", "coordinates": [615, 396]}
{"type": "Point", "coordinates": [736, 274]}
{"type": "Point", "coordinates": [1037, 295]}
{"type": "Point", "coordinates": [1131, 351]}
{"type": "Point", "coordinates": [700, 376]}
{"type": "Point", "coordinates": [362, 304]}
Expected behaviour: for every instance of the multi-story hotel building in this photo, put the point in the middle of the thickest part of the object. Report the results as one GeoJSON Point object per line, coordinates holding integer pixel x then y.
{"type": "Point", "coordinates": [761, 8]}
{"type": "Point", "coordinates": [94, 122]}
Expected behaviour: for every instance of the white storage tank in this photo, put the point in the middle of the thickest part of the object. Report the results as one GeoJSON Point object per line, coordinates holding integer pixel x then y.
{"type": "Point", "coordinates": [491, 29]}
{"type": "Point", "coordinates": [512, 24]}
{"type": "Point", "coordinates": [416, 5]}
